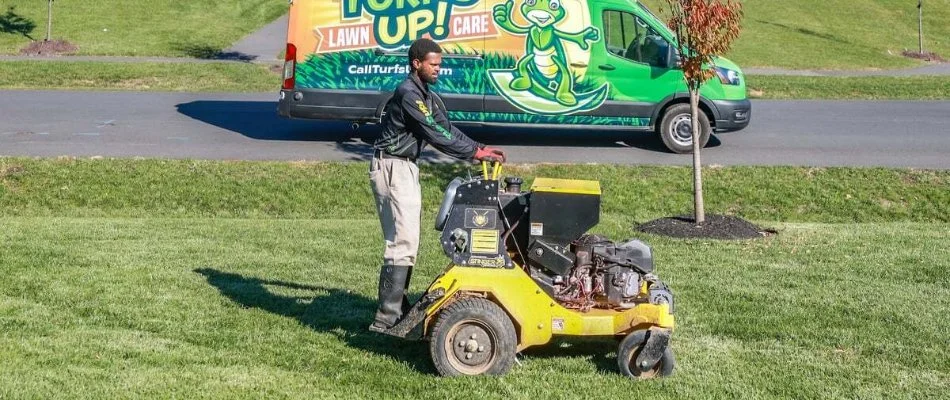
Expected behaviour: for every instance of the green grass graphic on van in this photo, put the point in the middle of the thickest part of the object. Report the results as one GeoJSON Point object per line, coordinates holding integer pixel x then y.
{"type": "Point", "coordinates": [341, 71]}
{"type": "Point", "coordinates": [325, 71]}
{"type": "Point", "coordinates": [366, 70]}
{"type": "Point", "coordinates": [546, 119]}
{"type": "Point", "coordinates": [540, 100]}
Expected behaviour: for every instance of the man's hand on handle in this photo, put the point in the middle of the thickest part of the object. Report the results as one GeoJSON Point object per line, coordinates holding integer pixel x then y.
{"type": "Point", "coordinates": [488, 153]}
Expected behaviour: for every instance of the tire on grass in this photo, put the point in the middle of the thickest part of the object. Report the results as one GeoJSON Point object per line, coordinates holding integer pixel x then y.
{"type": "Point", "coordinates": [473, 336]}
{"type": "Point", "coordinates": [629, 350]}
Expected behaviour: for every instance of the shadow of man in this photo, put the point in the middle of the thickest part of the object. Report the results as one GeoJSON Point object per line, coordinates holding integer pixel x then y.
{"type": "Point", "coordinates": [341, 313]}
{"type": "Point", "coordinates": [346, 315]}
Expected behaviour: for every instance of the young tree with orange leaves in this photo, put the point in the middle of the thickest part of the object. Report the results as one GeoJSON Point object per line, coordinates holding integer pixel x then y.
{"type": "Point", "coordinates": [704, 29]}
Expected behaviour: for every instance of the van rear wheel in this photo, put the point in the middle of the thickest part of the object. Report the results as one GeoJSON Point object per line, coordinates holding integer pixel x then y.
{"type": "Point", "coordinates": [676, 129]}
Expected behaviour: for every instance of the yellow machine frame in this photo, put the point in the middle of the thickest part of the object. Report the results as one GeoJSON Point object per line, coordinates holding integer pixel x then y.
{"type": "Point", "coordinates": [536, 315]}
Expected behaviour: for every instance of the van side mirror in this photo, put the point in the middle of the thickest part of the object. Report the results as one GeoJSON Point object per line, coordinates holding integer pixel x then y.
{"type": "Point", "coordinates": [672, 57]}
{"type": "Point", "coordinates": [665, 55]}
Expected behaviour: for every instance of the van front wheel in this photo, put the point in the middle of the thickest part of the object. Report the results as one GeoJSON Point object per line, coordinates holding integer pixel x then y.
{"type": "Point", "coordinates": [676, 129]}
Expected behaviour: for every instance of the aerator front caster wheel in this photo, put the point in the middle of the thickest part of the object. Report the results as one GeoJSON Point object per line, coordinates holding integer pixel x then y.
{"type": "Point", "coordinates": [630, 350]}
{"type": "Point", "coordinates": [473, 336]}
{"type": "Point", "coordinates": [676, 129]}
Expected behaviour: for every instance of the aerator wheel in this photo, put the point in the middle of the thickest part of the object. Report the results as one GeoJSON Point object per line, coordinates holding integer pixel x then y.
{"type": "Point", "coordinates": [473, 336]}
{"type": "Point", "coordinates": [629, 350]}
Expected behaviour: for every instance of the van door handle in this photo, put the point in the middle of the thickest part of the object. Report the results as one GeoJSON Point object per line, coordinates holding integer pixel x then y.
{"type": "Point", "coordinates": [607, 67]}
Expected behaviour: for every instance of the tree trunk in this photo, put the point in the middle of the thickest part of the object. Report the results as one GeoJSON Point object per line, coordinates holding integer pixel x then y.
{"type": "Point", "coordinates": [49, 19]}
{"type": "Point", "coordinates": [700, 213]}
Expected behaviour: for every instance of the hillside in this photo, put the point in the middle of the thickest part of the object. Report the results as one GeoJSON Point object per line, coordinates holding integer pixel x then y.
{"type": "Point", "coordinates": [803, 34]}
{"type": "Point", "coordinates": [183, 28]}
{"type": "Point", "coordinates": [836, 34]}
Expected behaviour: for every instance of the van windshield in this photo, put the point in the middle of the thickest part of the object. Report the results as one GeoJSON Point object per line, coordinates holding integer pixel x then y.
{"type": "Point", "coordinates": [657, 22]}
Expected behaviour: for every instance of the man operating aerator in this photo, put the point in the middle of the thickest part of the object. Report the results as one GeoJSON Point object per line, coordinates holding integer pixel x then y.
{"type": "Point", "coordinates": [413, 118]}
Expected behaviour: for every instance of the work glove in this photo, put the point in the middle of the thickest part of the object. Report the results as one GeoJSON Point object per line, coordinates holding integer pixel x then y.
{"type": "Point", "coordinates": [489, 154]}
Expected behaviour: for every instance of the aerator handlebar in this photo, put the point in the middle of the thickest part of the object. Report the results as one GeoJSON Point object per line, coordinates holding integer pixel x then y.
{"type": "Point", "coordinates": [491, 169]}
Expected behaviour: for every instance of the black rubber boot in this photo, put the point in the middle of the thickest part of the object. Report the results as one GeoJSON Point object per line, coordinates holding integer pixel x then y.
{"type": "Point", "coordinates": [406, 305]}
{"type": "Point", "coordinates": [393, 280]}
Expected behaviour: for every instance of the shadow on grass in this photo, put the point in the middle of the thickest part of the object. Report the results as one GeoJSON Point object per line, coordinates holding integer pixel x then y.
{"type": "Point", "coordinates": [207, 52]}
{"type": "Point", "coordinates": [806, 31]}
{"type": "Point", "coordinates": [330, 310]}
{"type": "Point", "coordinates": [13, 23]}
{"type": "Point", "coordinates": [347, 315]}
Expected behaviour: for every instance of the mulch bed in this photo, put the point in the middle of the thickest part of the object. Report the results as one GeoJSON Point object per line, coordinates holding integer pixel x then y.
{"type": "Point", "coordinates": [49, 48]}
{"type": "Point", "coordinates": [926, 56]}
{"type": "Point", "coordinates": [715, 227]}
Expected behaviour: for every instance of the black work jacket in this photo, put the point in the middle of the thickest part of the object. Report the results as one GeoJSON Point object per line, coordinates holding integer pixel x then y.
{"type": "Point", "coordinates": [415, 118]}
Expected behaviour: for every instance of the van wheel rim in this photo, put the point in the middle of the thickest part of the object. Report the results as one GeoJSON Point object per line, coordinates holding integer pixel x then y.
{"type": "Point", "coordinates": [681, 130]}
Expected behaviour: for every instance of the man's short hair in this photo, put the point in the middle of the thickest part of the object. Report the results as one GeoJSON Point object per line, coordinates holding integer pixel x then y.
{"type": "Point", "coordinates": [421, 47]}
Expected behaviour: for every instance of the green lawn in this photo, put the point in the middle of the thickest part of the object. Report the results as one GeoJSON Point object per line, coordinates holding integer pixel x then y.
{"type": "Point", "coordinates": [181, 77]}
{"type": "Point", "coordinates": [188, 279]}
{"type": "Point", "coordinates": [806, 34]}
{"type": "Point", "coordinates": [184, 28]}
{"type": "Point", "coordinates": [849, 88]}
{"type": "Point", "coordinates": [836, 34]}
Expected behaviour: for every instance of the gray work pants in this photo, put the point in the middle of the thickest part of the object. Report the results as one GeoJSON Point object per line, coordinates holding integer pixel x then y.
{"type": "Point", "coordinates": [398, 196]}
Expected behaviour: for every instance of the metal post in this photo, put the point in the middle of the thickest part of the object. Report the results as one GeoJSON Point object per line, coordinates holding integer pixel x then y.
{"type": "Point", "coordinates": [920, 26]}
{"type": "Point", "coordinates": [49, 19]}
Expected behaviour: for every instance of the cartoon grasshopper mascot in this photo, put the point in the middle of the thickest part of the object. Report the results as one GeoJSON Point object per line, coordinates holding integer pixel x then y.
{"type": "Point", "coordinates": [543, 48]}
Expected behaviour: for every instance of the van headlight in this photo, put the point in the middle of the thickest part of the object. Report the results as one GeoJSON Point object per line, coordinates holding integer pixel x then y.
{"type": "Point", "coordinates": [727, 76]}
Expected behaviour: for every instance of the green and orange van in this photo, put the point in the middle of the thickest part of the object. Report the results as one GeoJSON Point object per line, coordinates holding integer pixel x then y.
{"type": "Point", "coordinates": [591, 64]}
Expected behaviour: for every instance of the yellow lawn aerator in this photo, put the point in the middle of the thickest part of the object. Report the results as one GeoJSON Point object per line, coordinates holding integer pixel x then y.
{"type": "Point", "coordinates": [524, 269]}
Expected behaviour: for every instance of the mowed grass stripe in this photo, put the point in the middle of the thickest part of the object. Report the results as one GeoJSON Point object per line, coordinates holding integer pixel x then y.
{"type": "Point", "coordinates": [230, 307]}
{"type": "Point", "coordinates": [848, 88]}
{"type": "Point", "coordinates": [147, 76]}
{"type": "Point", "coordinates": [185, 188]}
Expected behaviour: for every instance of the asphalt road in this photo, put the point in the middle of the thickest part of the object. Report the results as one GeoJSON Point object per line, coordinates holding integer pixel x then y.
{"type": "Point", "coordinates": [245, 126]}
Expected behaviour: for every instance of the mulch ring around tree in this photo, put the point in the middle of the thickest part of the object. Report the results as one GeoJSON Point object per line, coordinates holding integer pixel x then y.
{"type": "Point", "coordinates": [926, 56]}
{"type": "Point", "coordinates": [715, 227]}
{"type": "Point", "coordinates": [49, 48]}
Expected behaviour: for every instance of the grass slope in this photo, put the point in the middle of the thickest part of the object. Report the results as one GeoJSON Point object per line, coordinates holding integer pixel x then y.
{"type": "Point", "coordinates": [836, 34]}
{"type": "Point", "coordinates": [188, 279]}
{"type": "Point", "coordinates": [806, 34]}
{"type": "Point", "coordinates": [139, 28]}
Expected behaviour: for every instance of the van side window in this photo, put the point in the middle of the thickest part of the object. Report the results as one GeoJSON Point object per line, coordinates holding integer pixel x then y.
{"type": "Point", "coordinates": [630, 37]}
